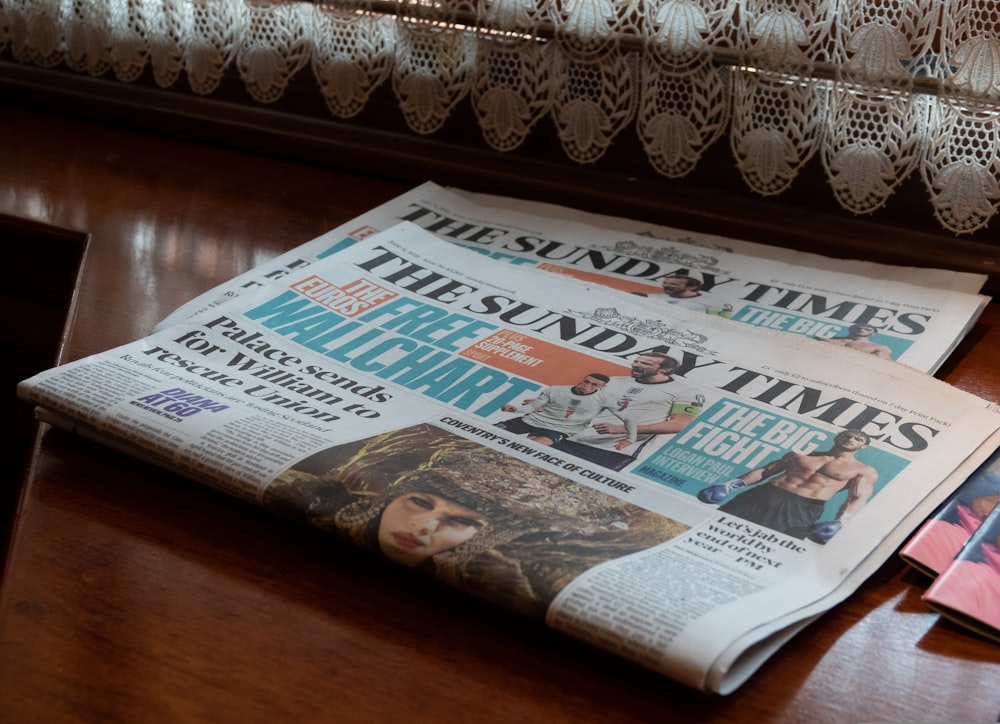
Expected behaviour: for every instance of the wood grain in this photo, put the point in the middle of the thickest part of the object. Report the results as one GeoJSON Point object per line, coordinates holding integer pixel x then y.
{"type": "Point", "coordinates": [130, 594]}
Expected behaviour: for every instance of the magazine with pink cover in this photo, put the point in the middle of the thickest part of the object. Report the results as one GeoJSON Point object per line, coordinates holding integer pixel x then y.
{"type": "Point", "coordinates": [968, 591]}
{"type": "Point", "coordinates": [936, 543]}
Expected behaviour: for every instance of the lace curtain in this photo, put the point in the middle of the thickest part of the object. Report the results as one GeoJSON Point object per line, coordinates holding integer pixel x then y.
{"type": "Point", "coordinates": [878, 89]}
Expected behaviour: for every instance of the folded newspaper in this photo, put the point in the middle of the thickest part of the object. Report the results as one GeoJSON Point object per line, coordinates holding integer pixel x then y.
{"type": "Point", "coordinates": [921, 276]}
{"type": "Point", "coordinates": [680, 490]}
{"type": "Point", "coordinates": [917, 322]}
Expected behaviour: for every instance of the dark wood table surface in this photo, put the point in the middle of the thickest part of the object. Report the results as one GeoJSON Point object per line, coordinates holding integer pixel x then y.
{"type": "Point", "coordinates": [130, 594]}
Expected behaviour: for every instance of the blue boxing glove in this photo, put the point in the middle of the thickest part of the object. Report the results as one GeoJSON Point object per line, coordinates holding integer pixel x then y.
{"type": "Point", "coordinates": [715, 494]}
{"type": "Point", "coordinates": [824, 530]}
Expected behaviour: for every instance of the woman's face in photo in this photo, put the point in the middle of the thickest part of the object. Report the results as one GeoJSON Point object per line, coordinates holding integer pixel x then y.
{"type": "Point", "coordinates": [416, 526]}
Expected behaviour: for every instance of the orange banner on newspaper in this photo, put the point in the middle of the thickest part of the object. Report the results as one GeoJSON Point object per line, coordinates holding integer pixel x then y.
{"type": "Point", "coordinates": [541, 361]}
{"type": "Point", "coordinates": [349, 300]}
{"type": "Point", "coordinates": [604, 280]}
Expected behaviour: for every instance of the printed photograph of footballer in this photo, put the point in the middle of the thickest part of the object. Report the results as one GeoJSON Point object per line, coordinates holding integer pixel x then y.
{"type": "Point", "coordinates": [651, 397]}
{"type": "Point", "coordinates": [558, 412]}
{"type": "Point", "coordinates": [789, 494]}
{"type": "Point", "coordinates": [686, 292]}
{"type": "Point", "coordinates": [466, 514]}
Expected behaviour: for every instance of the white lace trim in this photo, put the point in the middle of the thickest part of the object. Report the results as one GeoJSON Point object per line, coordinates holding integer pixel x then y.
{"type": "Point", "coordinates": [879, 89]}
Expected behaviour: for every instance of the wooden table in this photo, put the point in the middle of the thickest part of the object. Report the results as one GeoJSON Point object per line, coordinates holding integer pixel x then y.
{"type": "Point", "coordinates": [130, 594]}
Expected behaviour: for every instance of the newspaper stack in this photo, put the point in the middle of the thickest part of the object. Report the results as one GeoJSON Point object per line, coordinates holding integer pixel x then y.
{"type": "Point", "coordinates": [915, 316]}
{"type": "Point", "coordinates": [685, 486]}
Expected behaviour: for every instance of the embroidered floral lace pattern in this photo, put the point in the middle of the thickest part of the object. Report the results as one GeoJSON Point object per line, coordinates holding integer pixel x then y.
{"type": "Point", "coordinates": [876, 90]}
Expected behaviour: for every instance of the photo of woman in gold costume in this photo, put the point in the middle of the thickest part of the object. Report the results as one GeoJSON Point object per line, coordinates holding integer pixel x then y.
{"type": "Point", "coordinates": [467, 514]}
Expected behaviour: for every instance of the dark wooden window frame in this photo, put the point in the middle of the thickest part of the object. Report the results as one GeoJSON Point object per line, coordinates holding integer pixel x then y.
{"type": "Point", "coordinates": [376, 143]}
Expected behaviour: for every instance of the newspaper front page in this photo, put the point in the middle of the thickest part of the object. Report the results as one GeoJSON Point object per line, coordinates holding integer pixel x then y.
{"type": "Point", "coordinates": [681, 491]}
{"type": "Point", "coordinates": [920, 276]}
{"type": "Point", "coordinates": [906, 322]}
